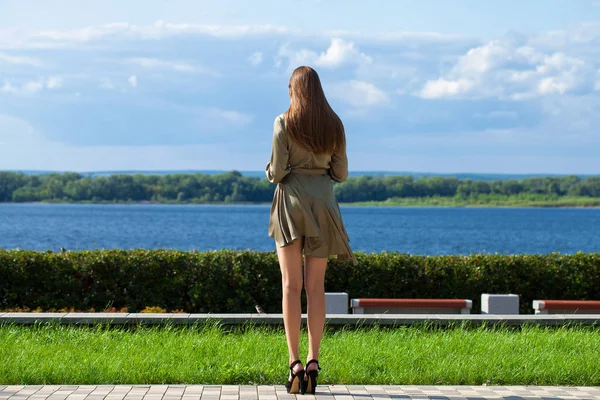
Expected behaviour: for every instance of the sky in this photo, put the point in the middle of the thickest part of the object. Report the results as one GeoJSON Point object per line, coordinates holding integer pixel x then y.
{"type": "Point", "coordinates": [495, 86]}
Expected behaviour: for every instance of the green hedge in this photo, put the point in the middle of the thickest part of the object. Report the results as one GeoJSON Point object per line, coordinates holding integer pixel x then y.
{"type": "Point", "coordinates": [229, 281]}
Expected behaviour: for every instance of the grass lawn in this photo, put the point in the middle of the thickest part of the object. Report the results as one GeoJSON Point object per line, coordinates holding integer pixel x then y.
{"type": "Point", "coordinates": [209, 354]}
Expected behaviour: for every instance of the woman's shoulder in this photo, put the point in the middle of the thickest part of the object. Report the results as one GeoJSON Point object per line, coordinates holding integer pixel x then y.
{"type": "Point", "coordinates": [280, 118]}
{"type": "Point", "coordinates": [279, 124]}
{"type": "Point", "coordinates": [279, 127]}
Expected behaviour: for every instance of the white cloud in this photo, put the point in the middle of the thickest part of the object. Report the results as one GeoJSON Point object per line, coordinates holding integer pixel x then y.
{"type": "Point", "coordinates": [444, 88]}
{"type": "Point", "coordinates": [54, 83]}
{"type": "Point", "coordinates": [481, 59]}
{"type": "Point", "coordinates": [295, 58]}
{"type": "Point", "coordinates": [162, 29]}
{"type": "Point", "coordinates": [31, 87]}
{"type": "Point", "coordinates": [505, 70]}
{"type": "Point", "coordinates": [22, 38]}
{"type": "Point", "coordinates": [12, 38]}
{"type": "Point", "coordinates": [579, 35]}
{"type": "Point", "coordinates": [154, 63]}
{"type": "Point", "coordinates": [132, 81]}
{"type": "Point", "coordinates": [339, 53]}
{"type": "Point", "coordinates": [521, 76]}
{"type": "Point", "coordinates": [553, 85]}
{"type": "Point", "coordinates": [19, 60]}
{"type": "Point", "coordinates": [7, 87]}
{"type": "Point", "coordinates": [235, 117]}
{"type": "Point", "coordinates": [358, 93]}
{"type": "Point", "coordinates": [256, 58]}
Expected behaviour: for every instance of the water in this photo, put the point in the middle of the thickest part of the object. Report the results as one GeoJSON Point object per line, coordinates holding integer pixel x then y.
{"type": "Point", "coordinates": [422, 230]}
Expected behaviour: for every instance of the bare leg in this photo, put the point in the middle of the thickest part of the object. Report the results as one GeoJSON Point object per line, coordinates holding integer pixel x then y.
{"type": "Point", "coordinates": [314, 283]}
{"type": "Point", "coordinates": [290, 262]}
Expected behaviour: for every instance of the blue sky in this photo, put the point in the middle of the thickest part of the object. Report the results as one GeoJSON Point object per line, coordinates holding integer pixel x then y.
{"type": "Point", "coordinates": [430, 85]}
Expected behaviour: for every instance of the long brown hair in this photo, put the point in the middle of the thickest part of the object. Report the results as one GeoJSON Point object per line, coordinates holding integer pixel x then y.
{"type": "Point", "coordinates": [310, 120]}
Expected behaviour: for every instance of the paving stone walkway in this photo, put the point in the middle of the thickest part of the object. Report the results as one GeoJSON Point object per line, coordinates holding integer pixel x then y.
{"type": "Point", "coordinates": [325, 392]}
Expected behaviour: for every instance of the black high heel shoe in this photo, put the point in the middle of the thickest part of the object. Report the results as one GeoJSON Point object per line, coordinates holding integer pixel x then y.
{"type": "Point", "coordinates": [310, 385]}
{"type": "Point", "coordinates": [295, 385]}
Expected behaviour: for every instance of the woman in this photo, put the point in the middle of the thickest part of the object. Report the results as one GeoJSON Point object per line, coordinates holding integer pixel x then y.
{"type": "Point", "coordinates": [309, 151]}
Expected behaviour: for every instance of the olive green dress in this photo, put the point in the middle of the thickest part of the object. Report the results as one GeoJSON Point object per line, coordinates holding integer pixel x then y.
{"type": "Point", "coordinates": [304, 204]}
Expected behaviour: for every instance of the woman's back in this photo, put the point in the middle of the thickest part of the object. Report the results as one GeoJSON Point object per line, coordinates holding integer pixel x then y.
{"type": "Point", "coordinates": [334, 164]}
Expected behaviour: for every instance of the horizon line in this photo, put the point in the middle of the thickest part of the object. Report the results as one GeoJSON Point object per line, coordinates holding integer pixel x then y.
{"type": "Point", "coordinates": [262, 172]}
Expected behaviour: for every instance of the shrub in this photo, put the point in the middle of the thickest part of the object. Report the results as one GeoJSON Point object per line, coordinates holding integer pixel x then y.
{"type": "Point", "coordinates": [235, 281]}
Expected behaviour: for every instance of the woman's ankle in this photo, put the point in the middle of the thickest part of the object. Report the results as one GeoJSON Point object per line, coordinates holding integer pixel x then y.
{"type": "Point", "coordinates": [297, 367]}
{"type": "Point", "coordinates": [313, 365]}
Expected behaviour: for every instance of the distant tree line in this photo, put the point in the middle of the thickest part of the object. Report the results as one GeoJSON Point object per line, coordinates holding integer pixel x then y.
{"type": "Point", "coordinates": [234, 187]}
{"type": "Point", "coordinates": [366, 188]}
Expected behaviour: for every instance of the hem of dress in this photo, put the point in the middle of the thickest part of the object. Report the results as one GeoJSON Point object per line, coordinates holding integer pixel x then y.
{"type": "Point", "coordinates": [341, 256]}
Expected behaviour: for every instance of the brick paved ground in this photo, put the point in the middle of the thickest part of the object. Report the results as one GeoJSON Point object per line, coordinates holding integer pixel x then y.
{"type": "Point", "coordinates": [325, 392]}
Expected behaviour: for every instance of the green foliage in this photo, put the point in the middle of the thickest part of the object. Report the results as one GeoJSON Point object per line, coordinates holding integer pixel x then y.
{"type": "Point", "coordinates": [489, 200]}
{"type": "Point", "coordinates": [192, 188]}
{"type": "Point", "coordinates": [232, 187]}
{"type": "Point", "coordinates": [235, 281]}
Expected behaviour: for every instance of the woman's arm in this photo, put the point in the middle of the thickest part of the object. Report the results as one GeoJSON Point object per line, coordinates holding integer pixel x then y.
{"type": "Point", "coordinates": [278, 167]}
{"type": "Point", "coordinates": [338, 167]}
